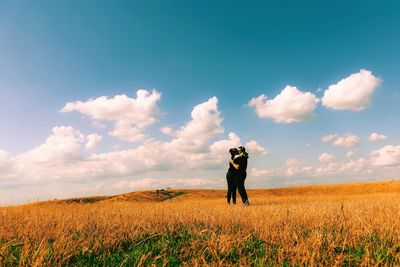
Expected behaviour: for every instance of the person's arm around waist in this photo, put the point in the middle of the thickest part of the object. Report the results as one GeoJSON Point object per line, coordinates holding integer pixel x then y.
{"type": "Point", "coordinates": [236, 166]}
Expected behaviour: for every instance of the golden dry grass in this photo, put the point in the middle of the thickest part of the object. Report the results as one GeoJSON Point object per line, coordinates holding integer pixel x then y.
{"type": "Point", "coordinates": [328, 225]}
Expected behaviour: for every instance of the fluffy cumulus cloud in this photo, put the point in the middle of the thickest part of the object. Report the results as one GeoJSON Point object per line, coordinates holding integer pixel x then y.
{"type": "Point", "coordinates": [255, 148]}
{"type": "Point", "coordinates": [194, 136]}
{"type": "Point", "coordinates": [329, 166]}
{"type": "Point", "coordinates": [387, 156]}
{"type": "Point", "coordinates": [326, 158]}
{"type": "Point", "coordinates": [64, 144]}
{"type": "Point", "coordinates": [205, 121]}
{"type": "Point", "coordinates": [299, 170]}
{"type": "Point", "coordinates": [374, 137]}
{"type": "Point", "coordinates": [350, 153]}
{"type": "Point", "coordinates": [328, 137]}
{"type": "Point", "coordinates": [352, 93]}
{"type": "Point", "coordinates": [130, 115]}
{"type": "Point", "coordinates": [264, 173]}
{"type": "Point", "coordinates": [60, 157]}
{"type": "Point", "coordinates": [347, 140]}
{"type": "Point", "coordinates": [294, 167]}
{"type": "Point", "coordinates": [126, 130]}
{"type": "Point", "coordinates": [220, 148]}
{"type": "Point", "coordinates": [69, 155]}
{"type": "Point", "coordinates": [292, 162]}
{"type": "Point", "coordinates": [93, 140]}
{"type": "Point", "coordinates": [291, 105]}
{"type": "Point", "coordinates": [167, 131]}
{"type": "Point", "coordinates": [343, 168]}
{"type": "Point", "coordinates": [152, 155]}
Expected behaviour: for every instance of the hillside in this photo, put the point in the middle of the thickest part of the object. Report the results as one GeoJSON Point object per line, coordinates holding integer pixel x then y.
{"type": "Point", "coordinates": [185, 194]}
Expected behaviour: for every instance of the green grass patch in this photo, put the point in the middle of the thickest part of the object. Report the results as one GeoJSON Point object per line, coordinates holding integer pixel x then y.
{"type": "Point", "coordinates": [183, 246]}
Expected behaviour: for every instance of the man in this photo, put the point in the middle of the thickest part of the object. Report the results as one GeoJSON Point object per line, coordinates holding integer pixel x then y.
{"type": "Point", "coordinates": [240, 164]}
{"type": "Point", "coordinates": [230, 178]}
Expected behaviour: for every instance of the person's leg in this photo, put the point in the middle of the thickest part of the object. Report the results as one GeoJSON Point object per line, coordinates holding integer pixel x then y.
{"type": "Point", "coordinates": [241, 189]}
{"type": "Point", "coordinates": [233, 181]}
{"type": "Point", "coordinates": [228, 196]}
{"type": "Point", "coordinates": [245, 192]}
{"type": "Point", "coordinates": [229, 193]}
{"type": "Point", "coordinates": [232, 188]}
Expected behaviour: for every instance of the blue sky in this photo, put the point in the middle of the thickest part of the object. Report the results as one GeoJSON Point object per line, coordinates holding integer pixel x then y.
{"type": "Point", "coordinates": [58, 52]}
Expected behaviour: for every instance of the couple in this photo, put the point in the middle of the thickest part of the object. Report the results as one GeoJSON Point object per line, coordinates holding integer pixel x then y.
{"type": "Point", "coordinates": [237, 174]}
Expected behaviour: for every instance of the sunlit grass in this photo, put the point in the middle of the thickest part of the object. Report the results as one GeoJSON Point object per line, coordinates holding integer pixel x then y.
{"type": "Point", "coordinates": [297, 226]}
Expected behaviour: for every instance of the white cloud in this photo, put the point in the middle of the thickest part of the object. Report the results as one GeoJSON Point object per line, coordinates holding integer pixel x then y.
{"type": "Point", "coordinates": [352, 93]}
{"type": "Point", "coordinates": [151, 156]}
{"type": "Point", "coordinates": [328, 137]}
{"type": "Point", "coordinates": [347, 140]}
{"type": "Point", "coordinates": [93, 140]}
{"type": "Point", "coordinates": [64, 144]}
{"type": "Point", "coordinates": [326, 158]}
{"type": "Point", "coordinates": [167, 131]}
{"type": "Point", "coordinates": [188, 145]}
{"type": "Point", "coordinates": [220, 149]}
{"type": "Point", "coordinates": [258, 172]}
{"type": "Point", "coordinates": [299, 170]}
{"type": "Point", "coordinates": [255, 148]}
{"type": "Point", "coordinates": [193, 138]}
{"type": "Point", "coordinates": [131, 115]}
{"type": "Point", "coordinates": [205, 123]}
{"type": "Point", "coordinates": [291, 105]}
{"type": "Point", "coordinates": [292, 162]}
{"type": "Point", "coordinates": [127, 131]}
{"type": "Point", "coordinates": [264, 173]}
{"type": "Point", "coordinates": [374, 137]}
{"type": "Point", "coordinates": [353, 166]}
{"type": "Point", "coordinates": [294, 167]}
{"type": "Point", "coordinates": [59, 157]}
{"type": "Point", "coordinates": [62, 156]}
{"type": "Point", "coordinates": [192, 150]}
{"type": "Point", "coordinates": [115, 146]}
{"type": "Point", "coordinates": [98, 125]}
{"type": "Point", "coordinates": [387, 156]}
{"type": "Point", "coordinates": [350, 153]}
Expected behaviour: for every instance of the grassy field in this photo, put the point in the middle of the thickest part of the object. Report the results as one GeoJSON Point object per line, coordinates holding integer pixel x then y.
{"type": "Point", "coordinates": [356, 224]}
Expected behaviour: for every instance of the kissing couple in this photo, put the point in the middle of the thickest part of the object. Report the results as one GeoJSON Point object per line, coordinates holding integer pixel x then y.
{"type": "Point", "coordinates": [237, 174]}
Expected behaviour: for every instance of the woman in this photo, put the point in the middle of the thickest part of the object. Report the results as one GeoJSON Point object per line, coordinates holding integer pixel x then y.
{"type": "Point", "coordinates": [239, 163]}
{"type": "Point", "coordinates": [231, 178]}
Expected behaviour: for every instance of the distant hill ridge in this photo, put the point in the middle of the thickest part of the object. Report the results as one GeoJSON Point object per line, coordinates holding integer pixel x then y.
{"type": "Point", "coordinates": [182, 194]}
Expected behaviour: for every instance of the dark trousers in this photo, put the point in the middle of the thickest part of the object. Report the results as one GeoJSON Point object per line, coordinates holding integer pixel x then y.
{"type": "Point", "coordinates": [230, 178]}
{"type": "Point", "coordinates": [240, 177]}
